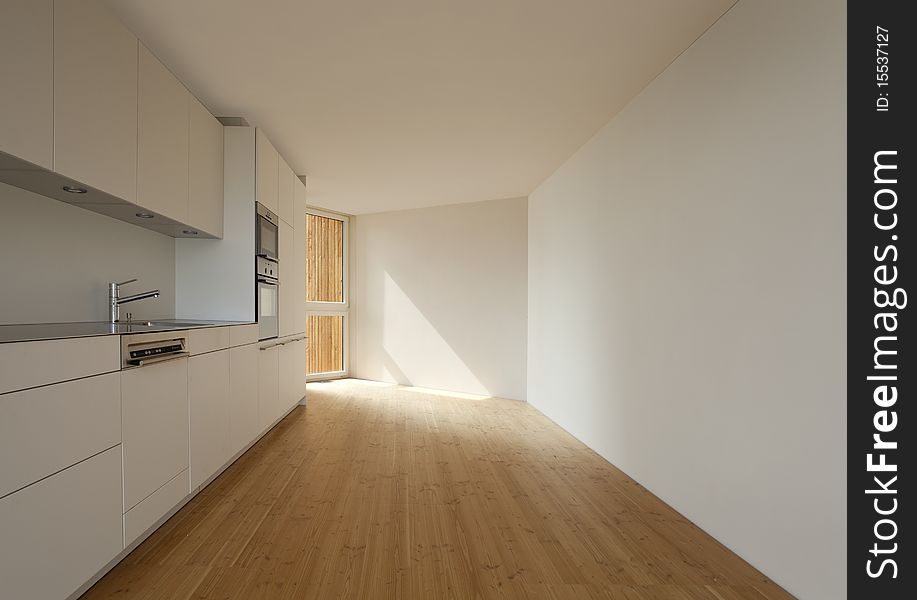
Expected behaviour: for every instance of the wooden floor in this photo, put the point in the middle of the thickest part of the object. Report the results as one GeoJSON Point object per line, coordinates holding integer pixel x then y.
{"type": "Point", "coordinates": [377, 491]}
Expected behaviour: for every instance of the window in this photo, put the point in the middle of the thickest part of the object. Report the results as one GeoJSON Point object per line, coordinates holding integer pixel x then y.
{"type": "Point", "coordinates": [327, 301]}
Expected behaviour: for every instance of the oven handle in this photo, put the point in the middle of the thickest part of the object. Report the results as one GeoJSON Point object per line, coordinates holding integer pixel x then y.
{"type": "Point", "coordinates": [268, 281]}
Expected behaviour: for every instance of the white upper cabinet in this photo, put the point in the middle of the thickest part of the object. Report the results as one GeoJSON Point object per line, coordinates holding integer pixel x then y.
{"type": "Point", "coordinates": [27, 73]}
{"type": "Point", "coordinates": [84, 99]}
{"type": "Point", "coordinates": [286, 182]}
{"type": "Point", "coordinates": [205, 186]}
{"type": "Point", "coordinates": [95, 98]}
{"type": "Point", "coordinates": [163, 140]}
{"type": "Point", "coordinates": [266, 173]}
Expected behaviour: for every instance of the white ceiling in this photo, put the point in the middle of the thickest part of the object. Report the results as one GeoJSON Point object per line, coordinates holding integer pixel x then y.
{"type": "Point", "coordinates": [397, 104]}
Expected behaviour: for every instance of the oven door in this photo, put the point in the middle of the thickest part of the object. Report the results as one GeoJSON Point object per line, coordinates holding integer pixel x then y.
{"type": "Point", "coordinates": [267, 308]}
{"type": "Point", "coordinates": [266, 234]}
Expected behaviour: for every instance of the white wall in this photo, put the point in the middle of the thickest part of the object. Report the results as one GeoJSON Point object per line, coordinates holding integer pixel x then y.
{"type": "Point", "coordinates": [57, 261]}
{"type": "Point", "coordinates": [687, 290]}
{"type": "Point", "coordinates": [215, 279]}
{"type": "Point", "coordinates": [441, 297]}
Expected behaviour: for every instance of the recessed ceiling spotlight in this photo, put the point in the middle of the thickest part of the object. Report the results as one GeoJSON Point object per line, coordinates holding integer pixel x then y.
{"type": "Point", "coordinates": [145, 215]}
{"type": "Point", "coordinates": [189, 232]}
{"type": "Point", "coordinates": [74, 190]}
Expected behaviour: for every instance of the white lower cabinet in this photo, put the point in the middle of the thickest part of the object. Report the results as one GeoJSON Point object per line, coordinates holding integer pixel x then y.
{"type": "Point", "coordinates": [243, 396]}
{"type": "Point", "coordinates": [88, 466]}
{"type": "Point", "coordinates": [154, 427]}
{"type": "Point", "coordinates": [49, 428]}
{"type": "Point", "coordinates": [60, 531]}
{"type": "Point", "coordinates": [268, 384]}
{"type": "Point", "coordinates": [292, 376]}
{"type": "Point", "coordinates": [209, 400]}
{"type": "Point", "coordinates": [281, 379]}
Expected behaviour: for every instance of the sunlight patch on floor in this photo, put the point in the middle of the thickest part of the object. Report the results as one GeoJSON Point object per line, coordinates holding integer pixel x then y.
{"type": "Point", "coordinates": [352, 382]}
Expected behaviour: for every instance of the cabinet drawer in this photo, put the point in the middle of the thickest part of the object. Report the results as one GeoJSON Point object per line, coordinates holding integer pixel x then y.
{"type": "Point", "coordinates": [208, 339]}
{"type": "Point", "coordinates": [46, 429]}
{"type": "Point", "coordinates": [30, 364]}
{"type": "Point", "coordinates": [59, 532]}
{"type": "Point", "coordinates": [240, 335]}
{"type": "Point", "coordinates": [143, 516]}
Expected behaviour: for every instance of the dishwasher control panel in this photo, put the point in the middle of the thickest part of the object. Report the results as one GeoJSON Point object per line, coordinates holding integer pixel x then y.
{"type": "Point", "coordinates": [143, 349]}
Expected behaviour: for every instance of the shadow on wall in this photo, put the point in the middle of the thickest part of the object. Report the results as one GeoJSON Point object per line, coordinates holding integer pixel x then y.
{"type": "Point", "coordinates": [442, 298]}
{"type": "Point", "coordinates": [424, 352]}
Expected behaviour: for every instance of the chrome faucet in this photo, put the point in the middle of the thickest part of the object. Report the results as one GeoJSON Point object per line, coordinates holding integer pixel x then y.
{"type": "Point", "coordinates": [115, 300]}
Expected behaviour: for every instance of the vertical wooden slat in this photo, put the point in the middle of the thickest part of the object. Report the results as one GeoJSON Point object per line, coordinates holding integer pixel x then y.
{"type": "Point", "coordinates": [325, 247]}
{"type": "Point", "coordinates": [326, 344]}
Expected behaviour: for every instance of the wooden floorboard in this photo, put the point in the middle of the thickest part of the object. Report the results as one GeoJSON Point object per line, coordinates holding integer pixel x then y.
{"type": "Point", "coordinates": [380, 491]}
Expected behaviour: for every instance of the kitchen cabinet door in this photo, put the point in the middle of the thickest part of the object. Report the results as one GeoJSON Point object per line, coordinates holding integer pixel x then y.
{"type": "Point", "coordinates": [59, 532]}
{"type": "Point", "coordinates": [27, 70]}
{"type": "Point", "coordinates": [95, 98]}
{"type": "Point", "coordinates": [162, 137]}
{"type": "Point", "coordinates": [298, 293]}
{"type": "Point", "coordinates": [205, 171]}
{"type": "Point", "coordinates": [292, 374]}
{"type": "Point", "coordinates": [285, 190]}
{"type": "Point", "coordinates": [244, 363]}
{"type": "Point", "coordinates": [266, 173]}
{"type": "Point", "coordinates": [268, 385]}
{"type": "Point", "coordinates": [208, 397]}
{"type": "Point", "coordinates": [287, 305]}
{"type": "Point", "coordinates": [154, 426]}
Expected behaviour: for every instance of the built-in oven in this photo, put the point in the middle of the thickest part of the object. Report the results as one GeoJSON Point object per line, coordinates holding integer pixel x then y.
{"type": "Point", "coordinates": [266, 245]}
{"type": "Point", "coordinates": [267, 296]}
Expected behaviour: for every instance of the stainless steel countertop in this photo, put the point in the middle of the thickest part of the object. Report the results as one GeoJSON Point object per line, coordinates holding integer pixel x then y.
{"type": "Point", "coordinates": [30, 332]}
